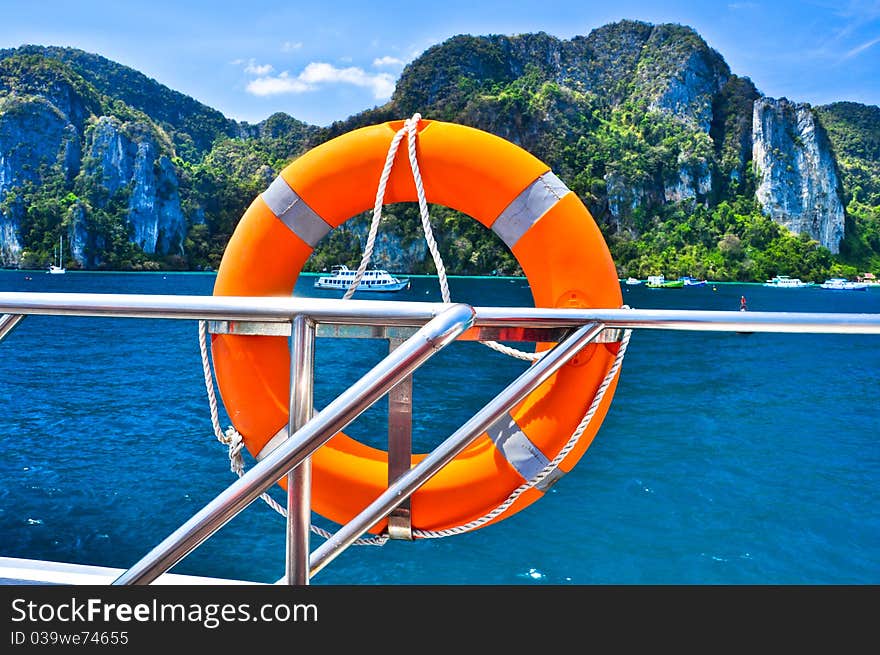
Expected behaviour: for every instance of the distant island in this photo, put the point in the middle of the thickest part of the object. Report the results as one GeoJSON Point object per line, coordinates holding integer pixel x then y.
{"type": "Point", "coordinates": [686, 167]}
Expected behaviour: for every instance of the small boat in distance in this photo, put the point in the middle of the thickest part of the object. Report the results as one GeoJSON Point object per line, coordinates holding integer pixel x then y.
{"type": "Point", "coordinates": [341, 277]}
{"type": "Point", "coordinates": [786, 282]}
{"type": "Point", "coordinates": [842, 284]}
{"type": "Point", "coordinates": [691, 282]}
{"type": "Point", "coordinates": [58, 269]}
{"type": "Point", "coordinates": [633, 281]}
{"type": "Point", "coordinates": [660, 282]}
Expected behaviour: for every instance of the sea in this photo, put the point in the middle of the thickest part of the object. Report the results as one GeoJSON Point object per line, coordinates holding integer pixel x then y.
{"type": "Point", "coordinates": [725, 459]}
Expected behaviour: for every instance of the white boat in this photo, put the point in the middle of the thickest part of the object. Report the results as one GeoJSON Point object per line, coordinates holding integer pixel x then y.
{"type": "Point", "coordinates": [632, 281]}
{"type": "Point", "coordinates": [786, 282]}
{"type": "Point", "coordinates": [842, 284]}
{"type": "Point", "coordinates": [692, 282]}
{"type": "Point", "coordinates": [342, 276]}
{"type": "Point", "coordinates": [660, 282]}
{"type": "Point", "coordinates": [58, 269]}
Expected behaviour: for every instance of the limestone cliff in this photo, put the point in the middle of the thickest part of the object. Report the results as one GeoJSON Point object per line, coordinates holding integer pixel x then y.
{"type": "Point", "coordinates": [66, 164]}
{"type": "Point", "coordinates": [127, 157]}
{"type": "Point", "coordinates": [678, 73]}
{"type": "Point", "coordinates": [797, 176]}
{"type": "Point", "coordinates": [36, 139]}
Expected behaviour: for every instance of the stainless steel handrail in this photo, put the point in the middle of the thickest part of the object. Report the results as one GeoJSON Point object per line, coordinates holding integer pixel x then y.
{"type": "Point", "coordinates": [380, 312]}
{"type": "Point", "coordinates": [436, 334]}
{"type": "Point", "coordinates": [230, 308]}
{"type": "Point", "coordinates": [8, 323]}
{"type": "Point", "coordinates": [682, 319]}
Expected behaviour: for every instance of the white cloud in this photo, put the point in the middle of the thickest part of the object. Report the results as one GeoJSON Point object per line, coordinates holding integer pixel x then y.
{"type": "Point", "coordinates": [388, 61]}
{"type": "Point", "coordinates": [272, 86]}
{"type": "Point", "coordinates": [319, 73]}
{"type": "Point", "coordinates": [258, 69]}
{"type": "Point", "coordinates": [290, 46]}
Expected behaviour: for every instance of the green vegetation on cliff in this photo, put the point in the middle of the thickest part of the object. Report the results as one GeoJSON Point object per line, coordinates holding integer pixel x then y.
{"type": "Point", "coordinates": [854, 131]}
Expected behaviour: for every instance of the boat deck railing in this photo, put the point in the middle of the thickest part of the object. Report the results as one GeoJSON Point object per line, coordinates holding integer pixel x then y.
{"type": "Point", "coordinates": [415, 332]}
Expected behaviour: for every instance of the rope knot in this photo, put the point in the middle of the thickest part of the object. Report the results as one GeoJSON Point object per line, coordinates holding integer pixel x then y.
{"type": "Point", "coordinates": [233, 440]}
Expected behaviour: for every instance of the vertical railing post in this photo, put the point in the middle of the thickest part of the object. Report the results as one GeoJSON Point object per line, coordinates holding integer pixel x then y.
{"type": "Point", "coordinates": [400, 400]}
{"type": "Point", "coordinates": [299, 479]}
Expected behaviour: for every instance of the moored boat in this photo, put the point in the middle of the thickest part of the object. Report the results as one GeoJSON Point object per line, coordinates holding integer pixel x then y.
{"type": "Point", "coordinates": [786, 282]}
{"type": "Point", "coordinates": [842, 284]}
{"type": "Point", "coordinates": [691, 282]}
{"type": "Point", "coordinates": [341, 278]}
{"type": "Point", "coordinates": [58, 268]}
{"type": "Point", "coordinates": [660, 282]}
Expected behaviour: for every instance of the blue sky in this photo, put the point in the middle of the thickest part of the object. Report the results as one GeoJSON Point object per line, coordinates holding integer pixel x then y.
{"type": "Point", "coordinates": [324, 61]}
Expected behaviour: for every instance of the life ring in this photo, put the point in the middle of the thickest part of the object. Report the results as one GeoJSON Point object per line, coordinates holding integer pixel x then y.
{"type": "Point", "coordinates": [549, 231]}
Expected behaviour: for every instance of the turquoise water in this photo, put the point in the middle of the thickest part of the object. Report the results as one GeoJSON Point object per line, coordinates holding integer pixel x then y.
{"type": "Point", "coordinates": [725, 458]}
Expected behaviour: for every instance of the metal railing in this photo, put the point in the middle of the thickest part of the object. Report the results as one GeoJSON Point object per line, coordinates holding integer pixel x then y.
{"type": "Point", "coordinates": [418, 330]}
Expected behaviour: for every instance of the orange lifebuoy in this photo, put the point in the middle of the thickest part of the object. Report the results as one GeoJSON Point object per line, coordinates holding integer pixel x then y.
{"type": "Point", "coordinates": [549, 231]}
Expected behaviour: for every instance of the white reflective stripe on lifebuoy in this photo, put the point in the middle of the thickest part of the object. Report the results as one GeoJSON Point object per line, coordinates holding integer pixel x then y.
{"type": "Point", "coordinates": [294, 212]}
{"type": "Point", "coordinates": [273, 443]}
{"type": "Point", "coordinates": [517, 448]}
{"type": "Point", "coordinates": [528, 207]}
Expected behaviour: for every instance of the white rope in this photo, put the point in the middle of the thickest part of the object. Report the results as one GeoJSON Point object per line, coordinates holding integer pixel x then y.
{"type": "Point", "coordinates": [377, 212]}
{"type": "Point", "coordinates": [233, 440]}
{"type": "Point", "coordinates": [423, 208]}
{"type": "Point", "coordinates": [231, 437]}
{"type": "Point", "coordinates": [551, 466]}
{"type": "Point", "coordinates": [410, 129]}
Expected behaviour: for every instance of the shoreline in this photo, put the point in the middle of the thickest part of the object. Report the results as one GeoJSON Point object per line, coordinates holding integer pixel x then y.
{"type": "Point", "coordinates": [41, 271]}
